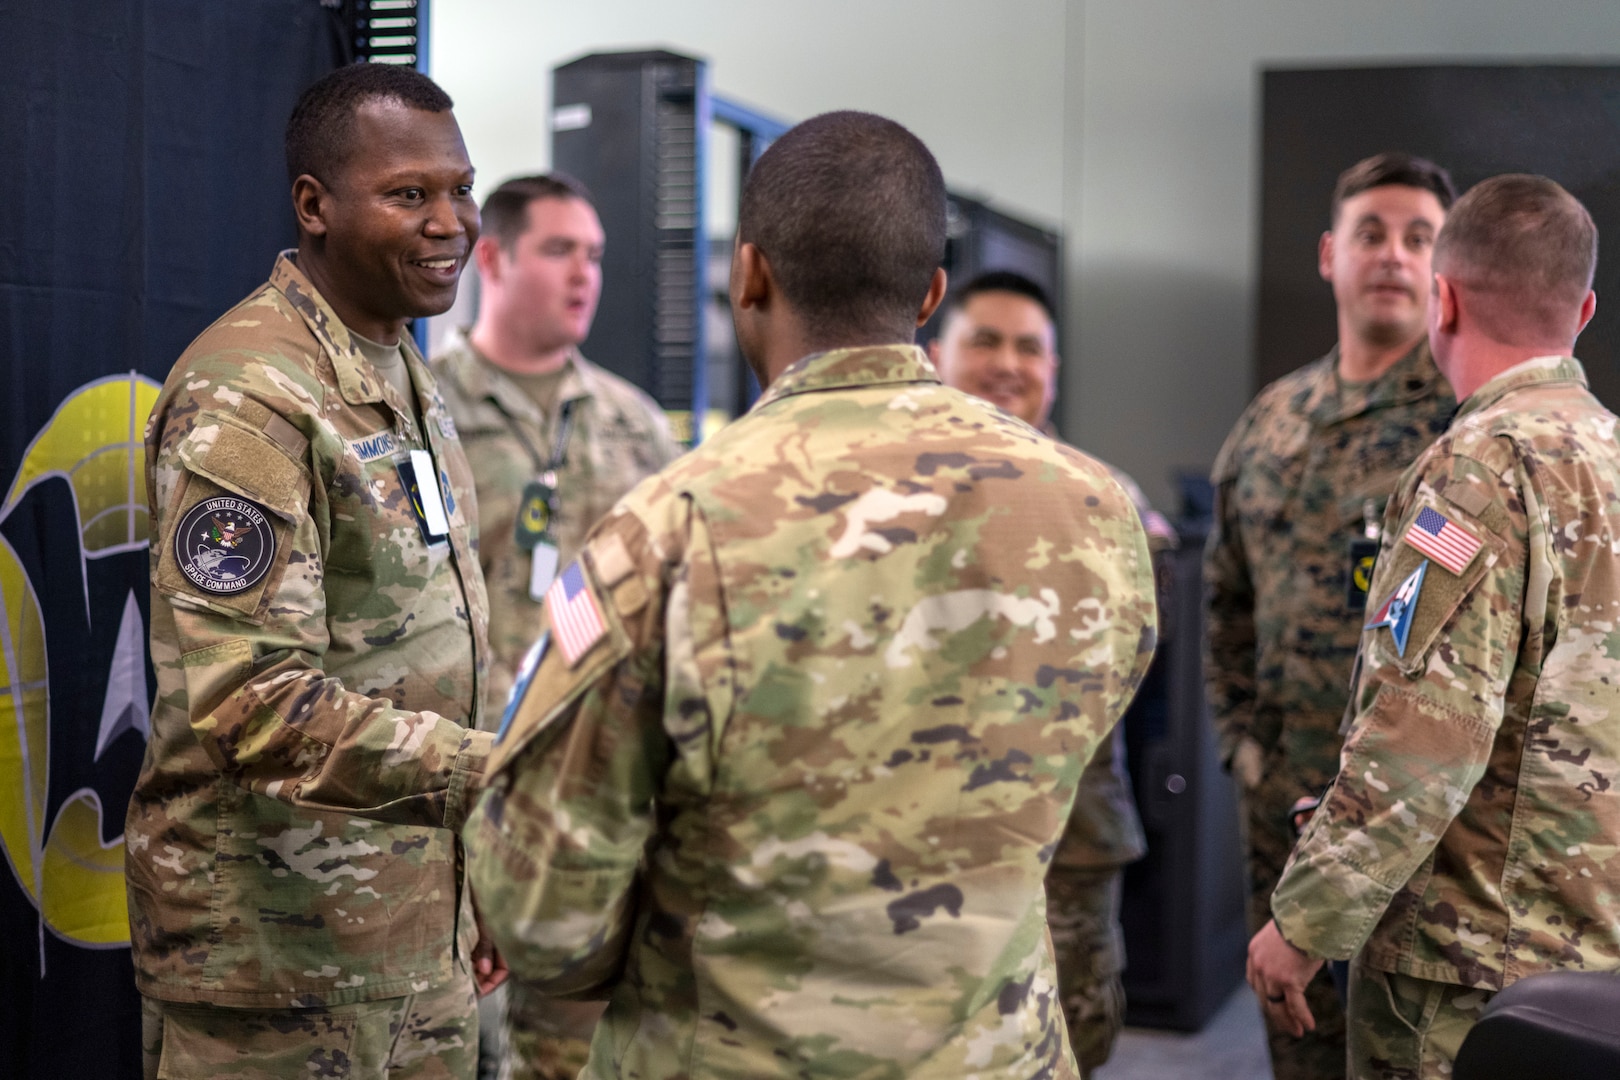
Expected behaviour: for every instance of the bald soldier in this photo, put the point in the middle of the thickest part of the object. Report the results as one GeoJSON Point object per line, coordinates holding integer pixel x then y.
{"type": "Point", "coordinates": [296, 899]}
{"type": "Point", "coordinates": [1472, 836]}
{"type": "Point", "coordinates": [809, 712]}
{"type": "Point", "coordinates": [998, 341]}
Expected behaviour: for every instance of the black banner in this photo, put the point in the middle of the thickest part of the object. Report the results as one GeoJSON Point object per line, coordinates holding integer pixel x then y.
{"type": "Point", "coordinates": [150, 194]}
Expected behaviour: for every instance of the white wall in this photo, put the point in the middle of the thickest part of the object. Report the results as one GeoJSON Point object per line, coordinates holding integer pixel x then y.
{"type": "Point", "coordinates": [1133, 123]}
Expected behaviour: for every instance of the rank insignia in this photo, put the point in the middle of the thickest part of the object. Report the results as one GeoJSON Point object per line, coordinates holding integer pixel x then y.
{"type": "Point", "coordinates": [224, 545]}
{"type": "Point", "coordinates": [1396, 612]}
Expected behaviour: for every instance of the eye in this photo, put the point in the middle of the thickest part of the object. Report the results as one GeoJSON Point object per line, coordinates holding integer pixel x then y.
{"type": "Point", "coordinates": [411, 194]}
{"type": "Point", "coordinates": [463, 191]}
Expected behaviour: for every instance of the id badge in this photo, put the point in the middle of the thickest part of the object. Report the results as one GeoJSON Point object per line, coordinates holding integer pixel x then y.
{"type": "Point", "coordinates": [1358, 577]}
{"type": "Point", "coordinates": [426, 500]}
{"type": "Point", "coordinates": [542, 569]}
{"type": "Point", "coordinates": [533, 515]}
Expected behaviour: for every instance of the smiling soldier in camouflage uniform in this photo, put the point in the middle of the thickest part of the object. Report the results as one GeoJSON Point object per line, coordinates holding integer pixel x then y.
{"type": "Point", "coordinates": [812, 707]}
{"type": "Point", "coordinates": [318, 621]}
{"type": "Point", "coordinates": [1470, 838]}
{"type": "Point", "coordinates": [1300, 484]}
{"type": "Point", "coordinates": [554, 442]}
{"type": "Point", "coordinates": [998, 341]}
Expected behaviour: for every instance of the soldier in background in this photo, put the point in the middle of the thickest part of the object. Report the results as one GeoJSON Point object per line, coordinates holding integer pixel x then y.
{"type": "Point", "coordinates": [554, 441]}
{"type": "Point", "coordinates": [1300, 490]}
{"type": "Point", "coordinates": [783, 774]}
{"type": "Point", "coordinates": [1472, 836]}
{"type": "Point", "coordinates": [318, 633]}
{"type": "Point", "coordinates": [998, 341]}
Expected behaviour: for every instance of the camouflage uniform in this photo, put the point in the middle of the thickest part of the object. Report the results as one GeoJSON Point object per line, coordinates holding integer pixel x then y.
{"type": "Point", "coordinates": [1470, 838]}
{"type": "Point", "coordinates": [1291, 484]}
{"type": "Point", "coordinates": [794, 805]}
{"type": "Point", "coordinates": [1104, 835]}
{"type": "Point", "coordinates": [291, 836]}
{"type": "Point", "coordinates": [617, 436]}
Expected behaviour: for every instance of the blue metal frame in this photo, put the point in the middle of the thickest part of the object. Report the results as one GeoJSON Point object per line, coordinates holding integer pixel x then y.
{"type": "Point", "coordinates": [419, 327]}
{"type": "Point", "coordinates": [765, 129]}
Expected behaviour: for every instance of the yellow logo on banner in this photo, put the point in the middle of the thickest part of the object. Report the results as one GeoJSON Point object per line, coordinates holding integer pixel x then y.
{"type": "Point", "coordinates": [95, 442]}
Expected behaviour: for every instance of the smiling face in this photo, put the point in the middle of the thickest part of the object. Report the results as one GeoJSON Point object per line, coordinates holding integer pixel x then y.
{"type": "Point", "coordinates": [1377, 259]}
{"type": "Point", "coordinates": [999, 346]}
{"type": "Point", "coordinates": [546, 287]}
{"type": "Point", "coordinates": [388, 237]}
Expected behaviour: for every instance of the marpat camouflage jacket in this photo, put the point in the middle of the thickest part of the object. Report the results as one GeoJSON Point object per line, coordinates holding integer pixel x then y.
{"type": "Point", "coordinates": [1291, 484]}
{"type": "Point", "coordinates": [794, 801]}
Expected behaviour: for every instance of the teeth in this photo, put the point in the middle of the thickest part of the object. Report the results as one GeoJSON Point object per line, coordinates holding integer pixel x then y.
{"type": "Point", "coordinates": [437, 264]}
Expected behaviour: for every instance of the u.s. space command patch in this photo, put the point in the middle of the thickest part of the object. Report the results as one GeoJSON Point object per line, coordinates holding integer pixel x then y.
{"type": "Point", "coordinates": [1396, 612]}
{"type": "Point", "coordinates": [224, 545]}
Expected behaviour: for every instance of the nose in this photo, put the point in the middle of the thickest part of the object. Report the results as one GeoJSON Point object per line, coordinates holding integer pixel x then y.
{"type": "Point", "coordinates": [442, 219]}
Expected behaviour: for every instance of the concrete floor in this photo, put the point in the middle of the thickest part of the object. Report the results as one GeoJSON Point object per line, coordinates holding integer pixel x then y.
{"type": "Point", "coordinates": [1232, 1046]}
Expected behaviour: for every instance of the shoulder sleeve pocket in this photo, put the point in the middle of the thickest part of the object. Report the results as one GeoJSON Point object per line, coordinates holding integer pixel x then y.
{"type": "Point", "coordinates": [228, 531]}
{"type": "Point", "coordinates": [1419, 597]}
{"type": "Point", "coordinates": [545, 699]}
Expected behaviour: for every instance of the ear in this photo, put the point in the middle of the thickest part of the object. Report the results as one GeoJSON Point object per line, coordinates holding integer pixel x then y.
{"type": "Point", "coordinates": [1447, 307]}
{"type": "Point", "coordinates": [487, 255]}
{"type": "Point", "coordinates": [753, 285]}
{"type": "Point", "coordinates": [1588, 308]}
{"type": "Point", "coordinates": [309, 197]}
{"type": "Point", "coordinates": [935, 297]}
{"type": "Point", "coordinates": [1324, 256]}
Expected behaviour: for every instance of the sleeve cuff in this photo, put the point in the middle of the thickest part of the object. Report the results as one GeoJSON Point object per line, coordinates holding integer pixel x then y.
{"type": "Point", "coordinates": [466, 777]}
{"type": "Point", "coordinates": [1326, 908]}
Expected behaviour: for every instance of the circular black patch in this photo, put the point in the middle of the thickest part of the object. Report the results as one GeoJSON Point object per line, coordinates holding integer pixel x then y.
{"type": "Point", "coordinates": [224, 545]}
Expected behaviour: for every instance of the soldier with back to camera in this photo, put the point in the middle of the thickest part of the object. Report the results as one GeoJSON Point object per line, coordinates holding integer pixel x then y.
{"type": "Point", "coordinates": [784, 771]}
{"type": "Point", "coordinates": [1472, 835]}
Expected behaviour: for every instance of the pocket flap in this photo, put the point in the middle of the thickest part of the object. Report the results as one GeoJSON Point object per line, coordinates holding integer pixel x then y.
{"type": "Point", "coordinates": [247, 461]}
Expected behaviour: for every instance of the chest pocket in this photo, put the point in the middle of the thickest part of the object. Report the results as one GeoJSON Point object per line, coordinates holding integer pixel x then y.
{"type": "Point", "coordinates": [374, 527]}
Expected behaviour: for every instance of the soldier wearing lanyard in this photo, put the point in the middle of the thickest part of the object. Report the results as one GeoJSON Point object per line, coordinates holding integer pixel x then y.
{"type": "Point", "coordinates": [518, 387]}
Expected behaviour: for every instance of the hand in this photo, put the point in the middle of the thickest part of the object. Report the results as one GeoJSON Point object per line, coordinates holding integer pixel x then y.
{"type": "Point", "coordinates": [489, 969]}
{"type": "Point", "coordinates": [1279, 974]}
{"type": "Point", "coordinates": [1247, 762]}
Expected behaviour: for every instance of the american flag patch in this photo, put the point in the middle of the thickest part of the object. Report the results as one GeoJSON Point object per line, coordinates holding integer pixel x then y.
{"type": "Point", "coordinates": [576, 621]}
{"type": "Point", "coordinates": [1442, 540]}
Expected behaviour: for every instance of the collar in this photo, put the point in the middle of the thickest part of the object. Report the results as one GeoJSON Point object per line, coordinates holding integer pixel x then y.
{"type": "Point", "coordinates": [1411, 378]}
{"type": "Point", "coordinates": [356, 378]}
{"type": "Point", "coordinates": [864, 365]}
{"type": "Point", "coordinates": [479, 378]}
{"type": "Point", "coordinates": [1534, 372]}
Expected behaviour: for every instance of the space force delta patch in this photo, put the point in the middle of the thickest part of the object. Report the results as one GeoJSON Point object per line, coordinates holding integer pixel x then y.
{"type": "Point", "coordinates": [224, 545]}
{"type": "Point", "coordinates": [1396, 612]}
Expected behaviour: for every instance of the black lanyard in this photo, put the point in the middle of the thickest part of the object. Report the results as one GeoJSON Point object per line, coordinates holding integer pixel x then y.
{"type": "Point", "coordinates": [547, 472]}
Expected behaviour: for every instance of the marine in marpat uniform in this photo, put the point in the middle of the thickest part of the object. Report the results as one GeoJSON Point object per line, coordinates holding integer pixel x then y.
{"type": "Point", "coordinates": [1301, 485]}
{"type": "Point", "coordinates": [554, 441]}
{"type": "Point", "coordinates": [1471, 836]}
{"type": "Point", "coordinates": [318, 625]}
{"type": "Point", "coordinates": [785, 772]}
{"type": "Point", "coordinates": [998, 342]}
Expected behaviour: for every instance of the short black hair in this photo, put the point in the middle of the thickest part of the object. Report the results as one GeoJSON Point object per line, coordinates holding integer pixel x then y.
{"type": "Point", "coordinates": [506, 211]}
{"type": "Point", "coordinates": [849, 210]}
{"type": "Point", "coordinates": [1530, 248]}
{"type": "Point", "coordinates": [1393, 167]}
{"type": "Point", "coordinates": [1008, 281]}
{"type": "Point", "coordinates": [321, 128]}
